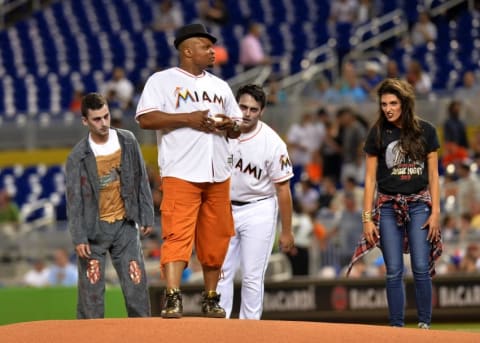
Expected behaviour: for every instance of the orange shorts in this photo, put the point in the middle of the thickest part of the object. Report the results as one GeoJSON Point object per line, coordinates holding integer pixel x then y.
{"type": "Point", "coordinates": [195, 211]}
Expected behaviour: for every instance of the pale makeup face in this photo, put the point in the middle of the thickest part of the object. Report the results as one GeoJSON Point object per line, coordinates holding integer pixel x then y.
{"type": "Point", "coordinates": [251, 110]}
{"type": "Point", "coordinates": [98, 122]}
{"type": "Point", "coordinates": [391, 108]}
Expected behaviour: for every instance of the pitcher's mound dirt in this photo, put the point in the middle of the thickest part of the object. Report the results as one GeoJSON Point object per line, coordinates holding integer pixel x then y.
{"type": "Point", "coordinates": [195, 330]}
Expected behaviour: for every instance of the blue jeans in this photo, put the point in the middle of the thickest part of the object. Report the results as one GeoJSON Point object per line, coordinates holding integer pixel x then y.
{"type": "Point", "coordinates": [391, 240]}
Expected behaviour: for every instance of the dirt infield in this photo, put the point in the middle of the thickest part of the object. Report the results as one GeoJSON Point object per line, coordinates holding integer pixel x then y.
{"type": "Point", "coordinates": [194, 330]}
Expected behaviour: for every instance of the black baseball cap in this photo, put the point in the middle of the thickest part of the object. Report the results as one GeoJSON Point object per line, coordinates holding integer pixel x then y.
{"type": "Point", "coordinates": [192, 30]}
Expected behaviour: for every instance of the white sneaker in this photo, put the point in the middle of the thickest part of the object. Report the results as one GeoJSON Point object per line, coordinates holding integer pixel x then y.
{"type": "Point", "coordinates": [423, 326]}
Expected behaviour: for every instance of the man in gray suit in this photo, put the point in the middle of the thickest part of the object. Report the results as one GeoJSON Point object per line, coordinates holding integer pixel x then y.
{"type": "Point", "coordinates": [109, 203]}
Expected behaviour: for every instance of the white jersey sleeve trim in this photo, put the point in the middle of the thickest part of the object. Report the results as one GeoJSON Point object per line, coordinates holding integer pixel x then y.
{"type": "Point", "coordinates": [145, 111]}
{"type": "Point", "coordinates": [281, 179]}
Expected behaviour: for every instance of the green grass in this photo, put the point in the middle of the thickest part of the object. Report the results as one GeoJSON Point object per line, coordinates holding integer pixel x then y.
{"type": "Point", "coordinates": [51, 303]}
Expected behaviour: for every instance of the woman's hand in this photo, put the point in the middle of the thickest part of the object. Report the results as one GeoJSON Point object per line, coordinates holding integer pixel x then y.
{"type": "Point", "coordinates": [433, 225]}
{"type": "Point", "coordinates": [371, 233]}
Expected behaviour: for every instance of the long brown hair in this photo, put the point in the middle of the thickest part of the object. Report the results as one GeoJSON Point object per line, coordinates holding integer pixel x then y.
{"type": "Point", "coordinates": [411, 142]}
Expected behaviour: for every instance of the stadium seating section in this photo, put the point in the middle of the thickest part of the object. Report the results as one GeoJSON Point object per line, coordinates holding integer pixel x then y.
{"type": "Point", "coordinates": [75, 44]}
{"type": "Point", "coordinates": [32, 187]}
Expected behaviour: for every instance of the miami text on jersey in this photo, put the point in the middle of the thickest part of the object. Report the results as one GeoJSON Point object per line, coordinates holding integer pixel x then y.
{"type": "Point", "coordinates": [249, 169]}
{"type": "Point", "coordinates": [185, 95]}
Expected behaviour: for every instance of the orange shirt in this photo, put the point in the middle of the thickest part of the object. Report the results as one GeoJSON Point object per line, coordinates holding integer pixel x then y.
{"type": "Point", "coordinates": [111, 203]}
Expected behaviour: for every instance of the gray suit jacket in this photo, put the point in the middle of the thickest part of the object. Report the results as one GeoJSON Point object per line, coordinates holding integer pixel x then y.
{"type": "Point", "coordinates": [83, 188]}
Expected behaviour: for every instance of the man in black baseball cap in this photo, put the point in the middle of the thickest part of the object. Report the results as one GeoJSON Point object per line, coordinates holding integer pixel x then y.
{"type": "Point", "coordinates": [192, 30]}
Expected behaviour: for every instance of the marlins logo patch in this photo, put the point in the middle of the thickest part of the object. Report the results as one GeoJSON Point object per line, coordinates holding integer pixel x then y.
{"type": "Point", "coordinates": [285, 162]}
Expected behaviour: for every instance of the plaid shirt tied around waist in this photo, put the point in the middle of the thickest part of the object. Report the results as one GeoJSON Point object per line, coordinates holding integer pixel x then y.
{"type": "Point", "coordinates": [400, 206]}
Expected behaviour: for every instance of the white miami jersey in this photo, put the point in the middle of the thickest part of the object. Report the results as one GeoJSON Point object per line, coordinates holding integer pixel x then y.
{"type": "Point", "coordinates": [260, 159]}
{"type": "Point", "coordinates": [186, 153]}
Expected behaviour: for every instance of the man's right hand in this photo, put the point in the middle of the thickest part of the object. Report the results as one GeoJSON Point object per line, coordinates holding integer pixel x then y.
{"type": "Point", "coordinates": [83, 250]}
{"type": "Point", "coordinates": [199, 120]}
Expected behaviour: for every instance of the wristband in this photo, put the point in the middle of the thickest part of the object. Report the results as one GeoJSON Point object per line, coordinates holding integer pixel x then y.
{"type": "Point", "coordinates": [235, 127]}
{"type": "Point", "coordinates": [366, 216]}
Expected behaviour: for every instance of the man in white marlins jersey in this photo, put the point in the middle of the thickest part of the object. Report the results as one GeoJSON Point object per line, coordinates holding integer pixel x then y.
{"type": "Point", "coordinates": [260, 186]}
{"type": "Point", "coordinates": [192, 111]}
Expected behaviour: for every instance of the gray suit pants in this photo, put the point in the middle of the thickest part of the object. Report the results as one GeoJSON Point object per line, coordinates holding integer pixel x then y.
{"type": "Point", "coordinates": [122, 240]}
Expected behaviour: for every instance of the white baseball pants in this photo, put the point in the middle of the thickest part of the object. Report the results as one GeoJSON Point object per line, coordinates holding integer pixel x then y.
{"type": "Point", "coordinates": [249, 249]}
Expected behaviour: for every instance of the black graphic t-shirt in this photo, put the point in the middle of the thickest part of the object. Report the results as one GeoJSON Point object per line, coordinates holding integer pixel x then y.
{"type": "Point", "coordinates": [395, 173]}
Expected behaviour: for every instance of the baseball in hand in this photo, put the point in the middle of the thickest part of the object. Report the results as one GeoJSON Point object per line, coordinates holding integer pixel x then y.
{"type": "Point", "coordinates": [218, 119]}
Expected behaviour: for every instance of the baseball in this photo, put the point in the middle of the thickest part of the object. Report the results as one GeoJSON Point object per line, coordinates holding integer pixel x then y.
{"type": "Point", "coordinates": [218, 119]}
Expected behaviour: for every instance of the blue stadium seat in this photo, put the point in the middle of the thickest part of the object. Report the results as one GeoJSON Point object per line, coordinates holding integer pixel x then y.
{"type": "Point", "coordinates": [256, 11]}
{"type": "Point", "coordinates": [236, 16]}
{"type": "Point", "coordinates": [278, 12]}
{"type": "Point", "coordinates": [411, 10]}
{"type": "Point", "coordinates": [2, 103]}
{"type": "Point", "coordinates": [276, 39]}
{"type": "Point", "coordinates": [389, 6]}
{"type": "Point", "coordinates": [36, 183]}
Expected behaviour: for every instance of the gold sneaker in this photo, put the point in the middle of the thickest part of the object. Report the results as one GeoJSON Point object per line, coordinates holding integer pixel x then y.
{"type": "Point", "coordinates": [210, 305]}
{"type": "Point", "coordinates": [172, 305]}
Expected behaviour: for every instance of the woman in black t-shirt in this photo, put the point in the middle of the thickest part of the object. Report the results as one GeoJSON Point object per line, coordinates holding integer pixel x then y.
{"type": "Point", "coordinates": [402, 166]}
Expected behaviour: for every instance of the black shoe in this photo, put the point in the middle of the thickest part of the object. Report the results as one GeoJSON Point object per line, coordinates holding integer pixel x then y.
{"type": "Point", "coordinates": [172, 305]}
{"type": "Point", "coordinates": [210, 305]}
